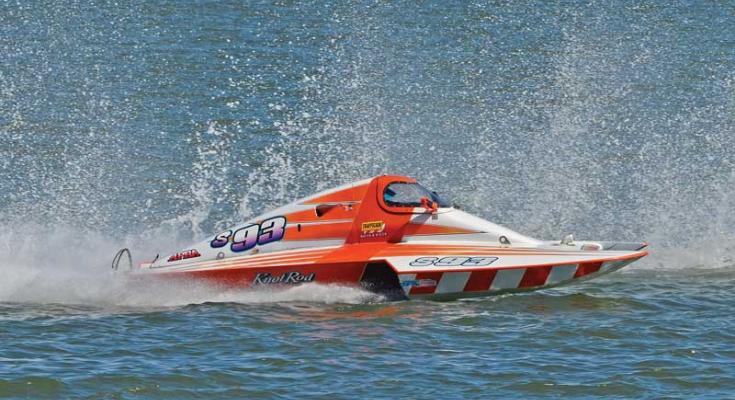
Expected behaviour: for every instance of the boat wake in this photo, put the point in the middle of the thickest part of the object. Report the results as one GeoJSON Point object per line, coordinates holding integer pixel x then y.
{"type": "Point", "coordinates": [66, 267]}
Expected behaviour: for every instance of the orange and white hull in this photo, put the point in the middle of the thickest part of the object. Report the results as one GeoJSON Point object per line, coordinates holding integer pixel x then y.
{"type": "Point", "coordinates": [389, 234]}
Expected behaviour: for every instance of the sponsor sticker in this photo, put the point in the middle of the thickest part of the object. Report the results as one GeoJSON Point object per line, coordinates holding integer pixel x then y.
{"type": "Point", "coordinates": [183, 255]}
{"type": "Point", "coordinates": [372, 229]}
{"type": "Point", "coordinates": [419, 283]}
{"type": "Point", "coordinates": [287, 278]}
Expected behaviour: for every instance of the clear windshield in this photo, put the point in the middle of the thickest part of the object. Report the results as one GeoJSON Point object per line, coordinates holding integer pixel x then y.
{"type": "Point", "coordinates": [401, 194]}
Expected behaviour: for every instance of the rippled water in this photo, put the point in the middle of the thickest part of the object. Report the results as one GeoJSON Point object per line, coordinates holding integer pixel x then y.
{"type": "Point", "coordinates": [150, 126]}
{"type": "Point", "coordinates": [641, 334]}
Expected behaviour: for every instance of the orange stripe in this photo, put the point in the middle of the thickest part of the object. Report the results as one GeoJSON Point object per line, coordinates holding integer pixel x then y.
{"type": "Point", "coordinates": [350, 194]}
{"type": "Point", "coordinates": [239, 263]}
{"type": "Point", "coordinates": [337, 230]}
{"type": "Point", "coordinates": [587, 268]}
{"type": "Point", "coordinates": [246, 265]}
{"type": "Point", "coordinates": [432, 246]}
{"type": "Point", "coordinates": [534, 277]}
{"type": "Point", "coordinates": [480, 280]}
{"type": "Point", "coordinates": [422, 229]}
{"type": "Point", "coordinates": [338, 212]}
{"type": "Point", "coordinates": [393, 253]}
{"type": "Point", "coordinates": [274, 257]}
{"type": "Point", "coordinates": [401, 247]}
{"type": "Point", "coordinates": [632, 258]}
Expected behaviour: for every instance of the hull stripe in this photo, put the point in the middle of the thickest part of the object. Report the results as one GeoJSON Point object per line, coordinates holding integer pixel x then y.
{"type": "Point", "coordinates": [394, 252]}
{"type": "Point", "coordinates": [480, 281]}
{"type": "Point", "coordinates": [613, 265]}
{"type": "Point", "coordinates": [273, 258]}
{"type": "Point", "coordinates": [453, 282]}
{"type": "Point", "coordinates": [587, 268]}
{"type": "Point", "coordinates": [561, 273]}
{"type": "Point", "coordinates": [534, 277]}
{"type": "Point", "coordinates": [507, 279]}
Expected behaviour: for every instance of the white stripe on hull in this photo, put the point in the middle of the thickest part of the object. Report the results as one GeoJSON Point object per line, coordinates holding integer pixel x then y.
{"type": "Point", "coordinates": [613, 266]}
{"type": "Point", "coordinates": [560, 274]}
{"type": "Point", "coordinates": [507, 279]}
{"type": "Point", "coordinates": [452, 282]}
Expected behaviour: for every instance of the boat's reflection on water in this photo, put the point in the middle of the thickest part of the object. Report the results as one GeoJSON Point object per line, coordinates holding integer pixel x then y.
{"type": "Point", "coordinates": [300, 312]}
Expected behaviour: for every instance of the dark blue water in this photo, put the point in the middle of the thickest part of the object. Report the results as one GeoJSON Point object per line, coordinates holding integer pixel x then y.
{"type": "Point", "coordinates": [152, 125]}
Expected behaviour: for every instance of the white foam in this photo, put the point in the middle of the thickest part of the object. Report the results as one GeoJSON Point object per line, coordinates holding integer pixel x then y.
{"type": "Point", "coordinates": [68, 267]}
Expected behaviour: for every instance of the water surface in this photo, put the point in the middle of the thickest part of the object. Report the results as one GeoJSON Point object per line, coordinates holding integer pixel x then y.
{"type": "Point", "coordinates": [150, 126]}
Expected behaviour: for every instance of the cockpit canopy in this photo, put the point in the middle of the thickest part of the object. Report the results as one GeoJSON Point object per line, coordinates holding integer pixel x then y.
{"type": "Point", "coordinates": [409, 194]}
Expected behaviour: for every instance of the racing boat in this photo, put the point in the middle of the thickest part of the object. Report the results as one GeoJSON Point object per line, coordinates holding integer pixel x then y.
{"type": "Point", "coordinates": [388, 234]}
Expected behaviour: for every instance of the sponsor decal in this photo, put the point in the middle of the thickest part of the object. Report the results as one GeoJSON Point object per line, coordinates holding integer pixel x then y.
{"type": "Point", "coordinates": [251, 235]}
{"type": "Point", "coordinates": [288, 278]}
{"type": "Point", "coordinates": [184, 255]}
{"type": "Point", "coordinates": [372, 229]}
{"type": "Point", "coordinates": [419, 283]}
{"type": "Point", "coordinates": [454, 261]}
